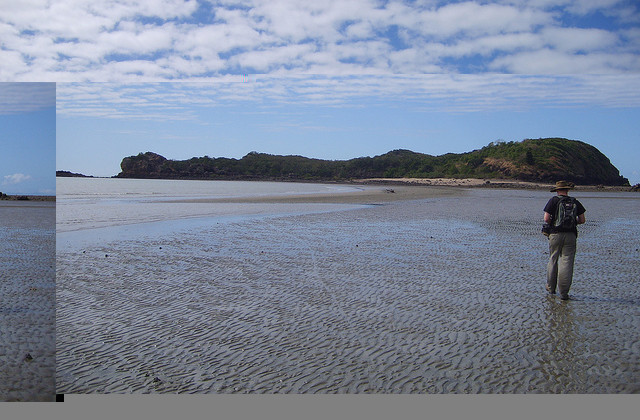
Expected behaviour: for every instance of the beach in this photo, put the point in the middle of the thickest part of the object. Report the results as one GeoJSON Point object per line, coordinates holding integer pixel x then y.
{"type": "Point", "coordinates": [487, 183]}
{"type": "Point", "coordinates": [397, 289]}
{"type": "Point", "coordinates": [27, 301]}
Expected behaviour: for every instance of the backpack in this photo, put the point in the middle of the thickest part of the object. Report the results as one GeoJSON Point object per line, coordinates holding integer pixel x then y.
{"type": "Point", "coordinates": [566, 214]}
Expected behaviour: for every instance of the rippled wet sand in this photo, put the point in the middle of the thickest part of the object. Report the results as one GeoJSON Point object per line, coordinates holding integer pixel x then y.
{"type": "Point", "coordinates": [27, 301]}
{"type": "Point", "coordinates": [443, 295]}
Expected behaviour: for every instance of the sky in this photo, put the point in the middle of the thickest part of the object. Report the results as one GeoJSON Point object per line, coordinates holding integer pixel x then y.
{"type": "Point", "coordinates": [27, 138]}
{"type": "Point", "coordinates": [332, 79]}
{"type": "Point", "coordinates": [154, 40]}
{"type": "Point", "coordinates": [343, 117]}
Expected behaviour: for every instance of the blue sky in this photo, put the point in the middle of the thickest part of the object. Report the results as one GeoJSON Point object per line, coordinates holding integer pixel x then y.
{"type": "Point", "coordinates": [333, 117]}
{"type": "Point", "coordinates": [152, 40]}
{"type": "Point", "coordinates": [27, 138]}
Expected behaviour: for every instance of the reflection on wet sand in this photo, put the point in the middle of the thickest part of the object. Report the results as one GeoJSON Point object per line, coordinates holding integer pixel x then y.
{"type": "Point", "coordinates": [558, 358]}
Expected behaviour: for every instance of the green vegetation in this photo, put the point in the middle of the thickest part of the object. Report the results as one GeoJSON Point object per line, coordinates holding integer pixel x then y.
{"type": "Point", "coordinates": [540, 160]}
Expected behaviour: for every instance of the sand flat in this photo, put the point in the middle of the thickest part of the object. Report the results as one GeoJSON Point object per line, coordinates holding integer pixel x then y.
{"type": "Point", "coordinates": [436, 295]}
{"type": "Point", "coordinates": [366, 195]}
{"type": "Point", "coordinates": [27, 301]}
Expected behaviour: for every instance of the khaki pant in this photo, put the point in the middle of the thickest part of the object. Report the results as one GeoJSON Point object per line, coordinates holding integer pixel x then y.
{"type": "Point", "coordinates": [562, 253]}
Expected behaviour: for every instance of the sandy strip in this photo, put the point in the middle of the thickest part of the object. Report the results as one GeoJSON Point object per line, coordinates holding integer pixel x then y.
{"type": "Point", "coordinates": [385, 190]}
{"type": "Point", "coordinates": [367, 195]}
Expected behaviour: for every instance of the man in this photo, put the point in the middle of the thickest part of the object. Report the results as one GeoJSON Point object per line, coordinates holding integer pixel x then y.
{"type": "Point", "coordinates": [562, 213]}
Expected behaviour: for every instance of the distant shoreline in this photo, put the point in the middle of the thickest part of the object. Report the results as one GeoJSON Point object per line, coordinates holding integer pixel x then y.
{"type": "Point", "coordinates": [28, 198]}
{"type": "Point", "coordinates": [485, 183]}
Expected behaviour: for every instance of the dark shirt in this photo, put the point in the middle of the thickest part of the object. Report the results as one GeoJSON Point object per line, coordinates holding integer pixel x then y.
{"type": "Point", "coordinates": [552, 208]}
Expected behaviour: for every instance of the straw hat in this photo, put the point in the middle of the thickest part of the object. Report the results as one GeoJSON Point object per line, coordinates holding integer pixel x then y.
{"type": "Point", "coordinates": [563, 185]}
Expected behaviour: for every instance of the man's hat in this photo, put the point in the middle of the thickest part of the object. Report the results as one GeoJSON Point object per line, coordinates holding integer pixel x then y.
{"type": "Point", "coordinates": [563, 185]}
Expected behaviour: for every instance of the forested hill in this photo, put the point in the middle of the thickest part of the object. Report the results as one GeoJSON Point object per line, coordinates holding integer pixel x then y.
{"type": "Point", "coordinates": [538, 160]}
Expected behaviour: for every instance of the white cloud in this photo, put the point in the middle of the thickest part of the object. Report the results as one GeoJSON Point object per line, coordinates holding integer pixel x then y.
{"type": "Point", "coordinates": [476, 19]}
{"type": "Point", "coordinates": [579, 40]}
{"type": "Point", "coordinates": [135, 38]}
{"type": "Point", "coordinates": [456, 93]}
{"type": "Point", "coordinates": [295, 20]}
{"type": "Point", "coordinates": [15, 179]}
{"type": "Point", "coordinates": [580, 7]}
{"type": "Point", "coordinates": [548, 61]}
{"type": "Point", "coordinates": [18, 98]}
{"type": "Point", "coordinates": [263, 61]}
{"type": "Point", "coordinates": [148, 40]}
{"type": "Point", "coordinates": [589, 6]}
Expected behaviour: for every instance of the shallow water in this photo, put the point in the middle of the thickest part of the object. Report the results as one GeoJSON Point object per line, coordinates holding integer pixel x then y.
{"type": "Point", "coordinates": [444, 295]}
{"type": "Point", "coordinates": [90, 203]}
{"type": "Point", "coordinates": [27, 301]}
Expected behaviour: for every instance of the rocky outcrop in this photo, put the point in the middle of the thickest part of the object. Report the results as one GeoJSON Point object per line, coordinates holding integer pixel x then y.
{"type": "Point", "coordinates": [144, 165]}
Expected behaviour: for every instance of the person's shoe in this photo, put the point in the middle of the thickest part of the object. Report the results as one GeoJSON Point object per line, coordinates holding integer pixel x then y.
{"type": "Point", "coordinates": [564, 297]}
{"type": "Point", "coordinates": [553, 292]}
